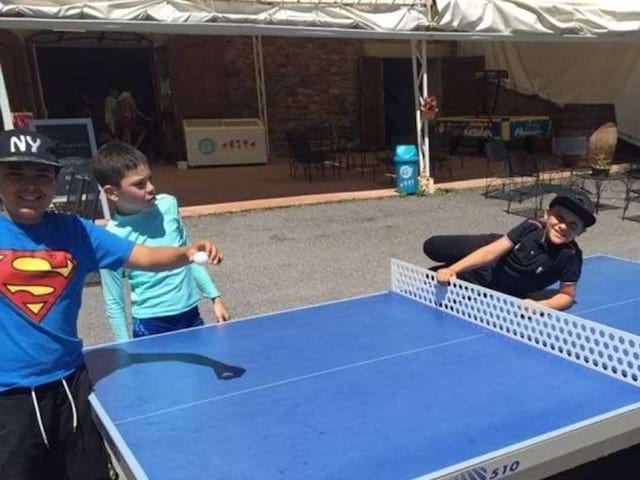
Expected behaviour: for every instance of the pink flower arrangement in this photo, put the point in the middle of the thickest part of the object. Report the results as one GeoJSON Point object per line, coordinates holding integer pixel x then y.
{"type": "Point", "coordinates": [429, 106]}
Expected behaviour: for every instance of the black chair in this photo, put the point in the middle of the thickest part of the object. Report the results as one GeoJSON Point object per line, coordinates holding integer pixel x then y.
{"type": "Point", "coordinates": [351, 145]}
{"type": "Point", "coordinates": [439, 153]}
{"type": "Point", "coordinates": [322, 138]}
{"type": "Point", "coordinates": [502, 171]}
{"type": "Point", "coordinates": [632, 192]}
{"type": "Point", "coordinates": [566, 152]}
{"type": "Point", "coordinates": [88, 207]}
{"type": "Point", "coordinates": [81, 198]}
{"type": "Point", "coordinates": [518, 179]}
{"type": "Point", "coordinates": [385, 160]}
{"type": "Point", "coordinates": [302, 155]}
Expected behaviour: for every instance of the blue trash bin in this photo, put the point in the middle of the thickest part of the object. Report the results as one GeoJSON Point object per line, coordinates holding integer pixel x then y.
{"type": "Point", "coordinates": [405, 160]}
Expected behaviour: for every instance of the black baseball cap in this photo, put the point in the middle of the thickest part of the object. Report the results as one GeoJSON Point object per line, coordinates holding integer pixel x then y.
{"type": "Point", "coordinates": [22, 145]}
{"type": "Point", "coordinates": [578, 203]}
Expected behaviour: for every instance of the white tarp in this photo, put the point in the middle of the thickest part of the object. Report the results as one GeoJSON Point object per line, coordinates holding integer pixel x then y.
{"type": "Point", "coordinates": [577, 72]}
{"type": "Point", "coordinates": [551, 20]}
{"type": "Point", "coordinates": [530, 18]}
{"type": "Point", "coordinates": [375, 15]}
{"type": "Point", "coordinates": [572, 73]}
{"type": "Point", "coordinates": [568, 72]}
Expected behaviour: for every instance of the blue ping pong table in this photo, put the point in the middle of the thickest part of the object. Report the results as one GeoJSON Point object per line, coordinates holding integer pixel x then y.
{"type": "Point", "coordinates": [422, 381]}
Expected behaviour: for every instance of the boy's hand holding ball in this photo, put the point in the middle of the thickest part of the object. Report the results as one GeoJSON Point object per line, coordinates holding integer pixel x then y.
{"type": "Point", "coordinates": [204, 252]}
{"type": "Point", "coordinates": [200, 257]}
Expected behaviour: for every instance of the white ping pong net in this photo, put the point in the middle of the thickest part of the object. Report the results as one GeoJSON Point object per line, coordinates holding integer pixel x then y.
{"type": "Point", "coordinates": [608, 350]}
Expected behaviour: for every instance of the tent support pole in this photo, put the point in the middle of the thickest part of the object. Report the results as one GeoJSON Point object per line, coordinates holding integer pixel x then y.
{"type": "Point", "coordinates": [261, 91]}
{"type": "Point", "coordinates": [7, 119]}
{"type": "Point", "coordinates": [38, 79]}
{"type": "Point", "coordinates": [420, 90]}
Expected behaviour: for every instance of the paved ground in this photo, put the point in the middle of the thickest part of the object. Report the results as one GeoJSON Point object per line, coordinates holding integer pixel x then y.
{"type": "Point", "coordinates": [287, 257]}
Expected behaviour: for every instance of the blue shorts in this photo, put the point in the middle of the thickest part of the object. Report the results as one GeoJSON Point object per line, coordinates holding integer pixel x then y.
{"type": "Point", "coordinates": [154, 325]}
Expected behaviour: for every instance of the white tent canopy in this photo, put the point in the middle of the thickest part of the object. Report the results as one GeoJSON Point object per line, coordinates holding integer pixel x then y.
{"type": "Point", "coordinates": [572, 73]}
{"type": "Point", "coordinates": [194, 16]}
{"type": "Point", "coordinates": [580, 72]}
{"type": "Point", "coordinates": [533, 20]}
{"type": "Point", "coordinates": [542, 19]}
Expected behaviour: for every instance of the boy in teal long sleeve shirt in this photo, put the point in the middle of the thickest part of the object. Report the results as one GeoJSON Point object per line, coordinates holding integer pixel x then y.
{"type": "Point", "coordinates": [160, 301]}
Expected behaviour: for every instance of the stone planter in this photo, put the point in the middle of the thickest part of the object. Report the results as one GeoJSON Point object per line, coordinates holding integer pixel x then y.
{"type": "Point", "coordinates": [604, 140]}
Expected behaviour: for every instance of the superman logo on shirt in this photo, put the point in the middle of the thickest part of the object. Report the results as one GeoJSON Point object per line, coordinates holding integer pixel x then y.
{"type": "Point", "coordinates": [34, 280]}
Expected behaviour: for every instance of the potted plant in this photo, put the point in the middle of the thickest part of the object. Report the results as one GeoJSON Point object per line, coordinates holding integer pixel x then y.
{"type": "Point", "coordinates": [429, 107]}
{"type": "Point", "coordinates": [600, 164]}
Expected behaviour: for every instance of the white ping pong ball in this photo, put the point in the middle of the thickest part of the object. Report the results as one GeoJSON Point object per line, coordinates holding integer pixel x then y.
{"type": "Point", "coordinates": [201, 257]}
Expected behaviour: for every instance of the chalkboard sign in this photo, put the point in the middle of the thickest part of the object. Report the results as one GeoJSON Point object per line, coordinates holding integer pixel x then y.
{"type": "Point", "coordinates": [75, 143]}
{"type": "Point", "coordinates": [74, 136]}
{"type": "Point", "coordinates": [75, 148]}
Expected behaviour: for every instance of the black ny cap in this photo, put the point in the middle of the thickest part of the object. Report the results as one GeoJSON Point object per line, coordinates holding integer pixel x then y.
{"type": "Point", "coordinates": [23, 145]}
{"type": "Point", "coordinates": [578, 203]}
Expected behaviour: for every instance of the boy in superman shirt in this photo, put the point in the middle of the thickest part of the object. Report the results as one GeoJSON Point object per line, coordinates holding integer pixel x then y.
{"type": "Point", "coordinates": [160, 301]}
{"type": "Point", "coordinates": [46, 429]}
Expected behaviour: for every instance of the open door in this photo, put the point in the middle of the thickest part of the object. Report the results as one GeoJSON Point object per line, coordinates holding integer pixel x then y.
{"type": "Point", "coordinates": [399, 103]}
{"type": "Point", "coordinates": [371, 78]}
{"type": "Point", "coordinates": [461, 89]}
{"type": "Point", "coordinates": [76, 80]}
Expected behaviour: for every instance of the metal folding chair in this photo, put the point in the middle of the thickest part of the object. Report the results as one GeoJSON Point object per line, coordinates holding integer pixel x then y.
{"type": "Point", "coordinates": [82, 198]}
{"type": "Point", "coordinates": [301, 154]}
{"type": "Point", "coordinates": [439, 150]}
{"type": "Point", "coordinates": [517, 181]}
{"type": "Point", "coordinates": [567, 150]}
{"type": "Point", "coordinates": [632, 193]}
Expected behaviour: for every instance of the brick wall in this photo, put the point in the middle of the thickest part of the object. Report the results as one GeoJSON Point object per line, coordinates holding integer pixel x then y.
{"type": "Point", "coordinates": [307, 81]}
{"type": "Point", "coordinates": [310, 81]}
{"type": "Point", "coordinates": [241, 100]}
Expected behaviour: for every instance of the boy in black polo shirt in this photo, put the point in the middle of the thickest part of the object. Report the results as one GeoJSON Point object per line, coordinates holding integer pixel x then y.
{"type": "Point", "coordinates": [529, 258]}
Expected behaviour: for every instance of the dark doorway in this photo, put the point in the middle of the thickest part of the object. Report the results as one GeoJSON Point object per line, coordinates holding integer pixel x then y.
{"type": "Point", "coordinates": [399, 107]}
{"type": "Point", "coordinates": [76, 80]}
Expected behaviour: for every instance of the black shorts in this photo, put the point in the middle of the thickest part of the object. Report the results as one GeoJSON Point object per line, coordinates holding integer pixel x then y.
{"type": "Point", "coordinates": [24, 454]}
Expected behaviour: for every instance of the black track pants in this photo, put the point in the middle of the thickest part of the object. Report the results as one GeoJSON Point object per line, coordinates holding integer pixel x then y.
{"type": "Point", "coordinates": [24, 455]}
